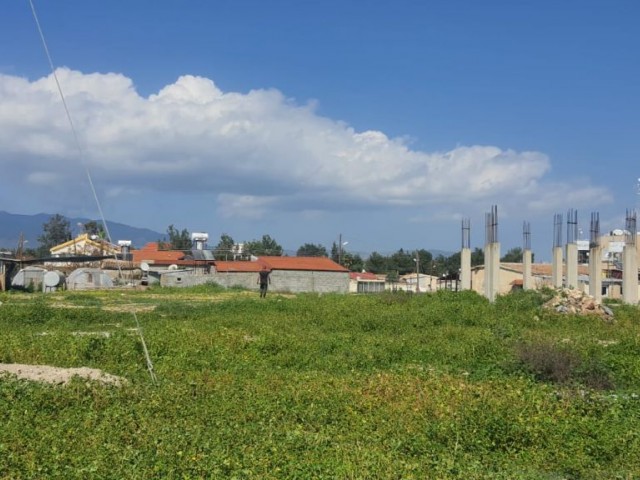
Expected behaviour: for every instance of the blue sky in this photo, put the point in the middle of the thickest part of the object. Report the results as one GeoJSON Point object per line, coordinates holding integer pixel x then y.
{"type": "Point", "coordinates": [385, 121]}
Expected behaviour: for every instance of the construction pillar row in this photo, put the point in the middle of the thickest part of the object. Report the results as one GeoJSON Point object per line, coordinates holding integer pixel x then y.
{"type": "Point", "coordinates": [465, 269]}
{"type": "Point", "coordinates": [572, 265]}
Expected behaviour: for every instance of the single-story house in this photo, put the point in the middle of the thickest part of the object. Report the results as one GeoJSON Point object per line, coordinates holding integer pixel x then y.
{"type": "Point", "coordinates": [412, 282]}
{"type": "Point", "coordinates": [366, 282]}
{"type": "Point", "coordinates": [160, 260]}
{"type": "Point", "coordinates": [288, 274]}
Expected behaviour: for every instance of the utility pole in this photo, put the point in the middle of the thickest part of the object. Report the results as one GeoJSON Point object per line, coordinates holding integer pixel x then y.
{"type": "Point", "coordinates": [340, 249]}
{"type": "Point", "coordinates": [20, 252]}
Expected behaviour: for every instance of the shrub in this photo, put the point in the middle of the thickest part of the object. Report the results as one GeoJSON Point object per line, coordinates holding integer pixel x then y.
{"type": "Point", "coordinates": [547, 361]}
{"type": "Point", "coordinates": [595, 375]}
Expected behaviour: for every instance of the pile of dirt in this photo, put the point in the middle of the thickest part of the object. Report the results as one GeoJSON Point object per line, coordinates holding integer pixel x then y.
{"type": "Point", "coordinates": [576, 302]}
{"type": "Point", "coordinates": [57, 375]}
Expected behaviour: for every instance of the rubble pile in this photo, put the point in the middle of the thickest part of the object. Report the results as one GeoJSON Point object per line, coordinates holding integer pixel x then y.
{"type": "Point", "coordinates": [578, 303]}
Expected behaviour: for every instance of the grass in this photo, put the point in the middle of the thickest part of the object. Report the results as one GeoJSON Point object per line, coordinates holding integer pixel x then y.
{"type": "Point", "coordinates": [387, 386]}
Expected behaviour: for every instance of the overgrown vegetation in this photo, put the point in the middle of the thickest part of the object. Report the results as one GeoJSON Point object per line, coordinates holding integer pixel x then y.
{"type": "Point", "coordinates": [443, 385]}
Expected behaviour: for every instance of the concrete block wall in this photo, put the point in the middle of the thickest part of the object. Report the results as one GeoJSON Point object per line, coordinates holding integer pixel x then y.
{"type": "Point", "coordinates": [241, 279]}
{"type": "Point", "coordinates": [318, 282]}
{"type": "Point", "coordinates": [281, 280]}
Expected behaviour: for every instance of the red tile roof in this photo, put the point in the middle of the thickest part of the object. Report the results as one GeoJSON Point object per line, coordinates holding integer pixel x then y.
{"type": "Point", "coordinates": [317, 264]}
{"type": "Point", "coordinates": [541, 269]}
{"type": "Point", "coordinates": [363, 276]}
{"type": "Point", "coordinates": [150, 253]}
{"type": "Point", "coordinates": [226, 266]}
{"type": "Point", "coordinates": [537, 269]}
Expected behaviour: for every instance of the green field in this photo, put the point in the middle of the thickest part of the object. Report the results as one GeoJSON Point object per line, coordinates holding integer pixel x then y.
{"type": "Point", "coordinates": [388, 386]}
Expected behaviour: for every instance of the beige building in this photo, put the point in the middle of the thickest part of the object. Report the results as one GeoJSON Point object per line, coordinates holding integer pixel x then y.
{"type": "Point", "coordinates": [511, 276]}
{"type": "Point", "coordinates": [412, 282]}
{"type": "Point", "coordinates": [84, 245]}
{"type": "Point", "coordinates": [612, 246]}
{"type": "Point", "coordinates": [366, 282]}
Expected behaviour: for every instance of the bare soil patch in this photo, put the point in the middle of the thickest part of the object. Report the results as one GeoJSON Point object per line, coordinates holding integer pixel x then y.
{"type": "Point", "coordinates": [58, 375]}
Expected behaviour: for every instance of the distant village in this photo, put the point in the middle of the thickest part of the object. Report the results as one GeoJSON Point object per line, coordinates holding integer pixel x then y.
{"type": "Point", "coordinates": [605, 266]}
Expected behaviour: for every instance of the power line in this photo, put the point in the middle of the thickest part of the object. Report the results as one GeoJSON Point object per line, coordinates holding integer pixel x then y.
{"type": "Point", "coordinates": [86, 168]}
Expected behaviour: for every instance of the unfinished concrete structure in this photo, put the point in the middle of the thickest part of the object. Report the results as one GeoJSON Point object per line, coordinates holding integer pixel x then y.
{"type": "Point", "coordinates": [556, 253]}
{"type": "Point", "coordinates": [491, 255]}
{"type": "Point", "coordinates": [572, 249]}
{"type": "Point", "coordinates": [595, 258]}
{"type": "Point", "coordinates": [465, 255]}
{"type": "Point", "coordinates": [527, 278]}
{"type": "Point", "coordinates": [630, 261]}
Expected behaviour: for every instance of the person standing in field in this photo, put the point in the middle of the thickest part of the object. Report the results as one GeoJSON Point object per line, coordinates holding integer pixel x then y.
{"type": "Point", "coordinates": [264, 280]}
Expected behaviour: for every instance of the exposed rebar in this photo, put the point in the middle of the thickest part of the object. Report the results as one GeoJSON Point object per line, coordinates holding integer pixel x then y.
{"type": "Point", "coordinates": [557, 230]}
{"type": "Point", "coordinates": [572, 226]}
{"type": "Point", "coordinates": [466, 233]}
{"type": "Point", "coordinates": [594, 231]}
{"type": "Point", "coordinates": [526, 236]}
{"type": "Point", "coordinates": [631, 225]}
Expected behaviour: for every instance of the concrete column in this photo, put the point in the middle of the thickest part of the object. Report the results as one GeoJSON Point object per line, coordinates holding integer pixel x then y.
{"type": "Point", "coordinates": [495, 281]}
{"type": "Point", "coordinates": [465, 269]}
{"type": "Point", "coordinates": [595, 272]}
{"type": "Point", "coordinates": [556, 268]}
{"type": "Point", "coordinates": [572, 265]}
{"type": "Point", "coordinates": [487, 271]}
{"type": "Point", "coordinates": [527, 278]}
{"type": "Point", "coordinates": [630, 275]}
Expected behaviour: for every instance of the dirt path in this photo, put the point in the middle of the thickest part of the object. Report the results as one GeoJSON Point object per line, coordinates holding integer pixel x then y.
{"type": "Point", "coordinates": [57, 375]}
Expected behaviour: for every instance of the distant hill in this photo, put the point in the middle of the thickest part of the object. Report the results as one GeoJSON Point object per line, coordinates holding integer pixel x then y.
{"type": "Point", "coordinates": [12, 225]}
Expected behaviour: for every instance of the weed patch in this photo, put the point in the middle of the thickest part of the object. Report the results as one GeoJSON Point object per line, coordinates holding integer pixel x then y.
{"type": "Point", "coordinates": [550, 362]}
{"type": "Point", "coordinates": [445, 385]}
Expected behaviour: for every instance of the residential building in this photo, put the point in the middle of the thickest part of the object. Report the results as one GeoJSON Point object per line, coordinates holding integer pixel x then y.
{"type": "Point", "coordinates": [366, 282]}
{"type": "Point", "coordinates": [85, 245]}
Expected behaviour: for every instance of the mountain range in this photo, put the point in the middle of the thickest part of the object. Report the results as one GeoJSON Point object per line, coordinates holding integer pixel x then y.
{"type": "Point", "coordinates": [30, 227]}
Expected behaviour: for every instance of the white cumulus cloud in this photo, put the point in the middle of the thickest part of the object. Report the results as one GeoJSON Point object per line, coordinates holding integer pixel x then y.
{"type": "Point", "coordinates": [254, 152]}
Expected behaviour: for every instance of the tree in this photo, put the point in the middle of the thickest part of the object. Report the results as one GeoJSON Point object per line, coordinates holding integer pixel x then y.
{"type": "Point", "coordinates": [513, 256]}
{"type": "Point", "coordinates": [353, 262]}
{"type": "Point", "coordinates": [179, 240]}
{"type": "Point", "coordinates": [376, 263]}
{"type": "Point", "coordinates": [477, 257]}
{"type": "Point", "coordinates": [335, 253]}
{"type": "Point", "coordinates": [224, 248]}
{"type": "Point", "coordinates": [401, 262]}
{"type": "Point", "coordinates": [56, 231]}
{"type": "Point", "coordinates": [94, 228]}
{"type": "Point", "coordinates": [450, 264]}
{"type": "Point", "coordinates": [266, 246]}
{"type": "Point", "coordinates": [516, 255]}
{"type": "Point", "coordinates": [425, 259]}
{"type": "Point", "coordinates": [311, 250]}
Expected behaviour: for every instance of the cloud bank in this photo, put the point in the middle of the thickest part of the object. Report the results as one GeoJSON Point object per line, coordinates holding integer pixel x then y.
{"type": "Point", "coordinates": [256, 151]}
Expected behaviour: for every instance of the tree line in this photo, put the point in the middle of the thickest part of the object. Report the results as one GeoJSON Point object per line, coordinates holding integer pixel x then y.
{"type": "Point", "coordinates": [58, 230]}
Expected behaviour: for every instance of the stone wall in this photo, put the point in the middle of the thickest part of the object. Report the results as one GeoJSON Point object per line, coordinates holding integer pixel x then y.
{"type": "Point", "coordinates": [281, 280]}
